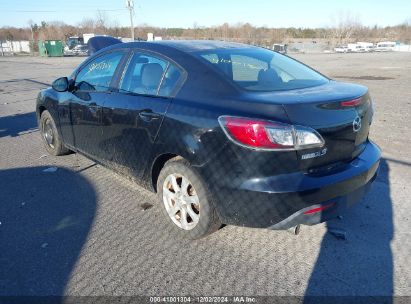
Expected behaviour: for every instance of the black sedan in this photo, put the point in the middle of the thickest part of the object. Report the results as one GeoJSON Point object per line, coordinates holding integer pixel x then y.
{"type": "Point", "coordinates": [225, 133]}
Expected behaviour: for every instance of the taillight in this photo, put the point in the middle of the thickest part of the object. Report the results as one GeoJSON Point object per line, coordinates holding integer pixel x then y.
{"type": "Point", "coordinates": [351, 103]}
{"type": "Point", "coordinates": [269, 135]}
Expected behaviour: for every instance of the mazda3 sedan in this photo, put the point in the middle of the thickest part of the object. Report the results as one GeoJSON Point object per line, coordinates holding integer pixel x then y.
{"type": "Point", "coordinates": [225, 133]}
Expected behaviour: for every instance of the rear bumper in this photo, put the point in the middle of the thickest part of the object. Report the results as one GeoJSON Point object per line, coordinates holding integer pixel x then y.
{"type": "Point", "coordinates": [279, 202]}
{"type": "Point", "coordinates": [325, 211]}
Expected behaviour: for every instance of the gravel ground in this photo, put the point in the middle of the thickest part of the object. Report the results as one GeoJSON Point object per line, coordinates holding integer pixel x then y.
{"type": "Point", "coordinates": [83, 230]}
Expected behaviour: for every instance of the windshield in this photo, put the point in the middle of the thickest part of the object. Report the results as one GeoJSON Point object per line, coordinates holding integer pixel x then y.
{"type": "Point", "coordinates": [258, 69]}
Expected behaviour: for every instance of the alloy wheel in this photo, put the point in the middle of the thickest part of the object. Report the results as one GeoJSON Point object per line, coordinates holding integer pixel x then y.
{"type": "Point", "coordinates": [48, 133]}
{"type": "Point", "coordinates": [181, 201]}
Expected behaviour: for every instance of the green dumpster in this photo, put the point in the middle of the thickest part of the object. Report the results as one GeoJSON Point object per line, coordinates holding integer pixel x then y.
{"type": "Point", "coordinates": [42, 48]}
{"type": "Point", "coordinates": [54, 48]}
{"type": "Point", "coordinates": [51, 48]}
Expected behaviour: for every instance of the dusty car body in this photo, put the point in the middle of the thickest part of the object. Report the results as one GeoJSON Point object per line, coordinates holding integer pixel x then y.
{"type": "Point", "coordinates": [226, 133]}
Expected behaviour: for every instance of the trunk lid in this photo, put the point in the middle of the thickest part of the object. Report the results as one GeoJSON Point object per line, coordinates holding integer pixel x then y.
{"type": "Point", "coordinates": [344, 128]}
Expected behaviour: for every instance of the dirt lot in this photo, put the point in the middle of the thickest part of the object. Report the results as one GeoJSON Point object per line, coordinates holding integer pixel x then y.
{"type": "Point", "coordinates": [84, 230]}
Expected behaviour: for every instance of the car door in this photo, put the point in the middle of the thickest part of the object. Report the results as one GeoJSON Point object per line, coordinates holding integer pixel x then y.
{"type": "Point", "coordinates": [134, 113]}
{"type": "Point", "coordinates": [92, 87]}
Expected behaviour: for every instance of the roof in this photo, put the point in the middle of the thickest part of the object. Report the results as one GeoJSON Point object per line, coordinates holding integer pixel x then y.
{"type": "Point", "coordinates": [197, 45]}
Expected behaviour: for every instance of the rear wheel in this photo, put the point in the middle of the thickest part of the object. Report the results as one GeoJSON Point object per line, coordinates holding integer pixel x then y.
{"type": "Point", "coordinates": [51, 138]}
{"type": "Point", "coordinates": [185, 203]}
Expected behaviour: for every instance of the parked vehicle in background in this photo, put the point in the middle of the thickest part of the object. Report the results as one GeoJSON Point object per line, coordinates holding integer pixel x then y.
{"type": "Point", "coordinates": [367, 46]}
{"type": "Point", "coordinates": [386, 46]}
{"type": "Point", "coordinates": [356, 48]}
{"type": "Point", "coordinates": [280, 48]}
{"type": "Point", "coordinates": [96, 43]}
{"type": "Point", "coordinates": [341, 49]}
{"type": "Point", "coordinates": [73, 41]}
{"type": "Point", "coordinates": [80, 50]}
{"type": "Point", "coordinates": [77, 46]}
{"type": "Point", "coordinates": [225, 133]}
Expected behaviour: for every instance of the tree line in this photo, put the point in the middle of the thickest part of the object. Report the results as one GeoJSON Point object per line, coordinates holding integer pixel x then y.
{"type": "Point", "coordinates": [344, 29]}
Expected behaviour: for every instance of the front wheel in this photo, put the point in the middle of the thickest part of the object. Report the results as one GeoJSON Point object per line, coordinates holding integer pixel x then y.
{"type": "Point", "coordinates": [51, 138]}
{"type": "Point", "coordinates": [186, 205]}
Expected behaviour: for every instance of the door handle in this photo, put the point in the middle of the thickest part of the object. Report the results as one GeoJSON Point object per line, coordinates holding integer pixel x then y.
{"type": "Point", "coordinates": [148, 115]}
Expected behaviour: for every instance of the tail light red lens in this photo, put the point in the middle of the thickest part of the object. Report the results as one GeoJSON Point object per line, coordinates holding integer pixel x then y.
{"type": "Point", "coordinates": [268, 135]}
{"type": "Point", "coordinates": [351, 103]}
{"type": "Point", "coordinates": [250, 132]}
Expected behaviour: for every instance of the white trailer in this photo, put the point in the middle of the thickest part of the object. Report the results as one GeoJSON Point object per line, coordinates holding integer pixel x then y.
{"type": "Point", "coordinates": [356, 48]}
{"type": "Point", "coordinates": [385, 46]}
{"type": "Point", "coordinates": [368, 46]}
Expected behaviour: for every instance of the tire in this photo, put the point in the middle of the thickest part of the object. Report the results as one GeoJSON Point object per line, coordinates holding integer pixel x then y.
{"type": "Point", "coordinates": [51, 138]}
{"type": "Point", "coordinates": [191, 194]}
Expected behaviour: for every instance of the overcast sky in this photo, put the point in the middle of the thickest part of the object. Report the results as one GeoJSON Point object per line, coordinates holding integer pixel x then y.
{"type": "Point", "coordinates": [184, 13]}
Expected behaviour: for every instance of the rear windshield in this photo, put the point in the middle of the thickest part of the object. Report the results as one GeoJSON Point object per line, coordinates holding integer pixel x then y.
{"type": "Point", "coordinates": [258, 69]}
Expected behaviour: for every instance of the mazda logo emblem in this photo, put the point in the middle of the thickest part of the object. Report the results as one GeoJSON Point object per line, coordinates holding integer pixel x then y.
{"type": "Point", "coordinates": [356, 124]}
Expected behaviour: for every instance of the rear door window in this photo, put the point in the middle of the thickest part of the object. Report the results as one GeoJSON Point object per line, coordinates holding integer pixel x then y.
{"type": "Point", "coordinates": [143, 75]}
{"type": "Point", "coordinates": [171, 81]}
{"type": "Point", "coordinates": [147, 74]}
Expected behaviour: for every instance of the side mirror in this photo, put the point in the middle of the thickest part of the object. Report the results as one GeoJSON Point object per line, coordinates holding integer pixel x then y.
{"type": "Point", "coordinates": [61, 84]}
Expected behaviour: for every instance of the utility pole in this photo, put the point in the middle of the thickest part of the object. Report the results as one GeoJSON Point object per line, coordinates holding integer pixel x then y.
{"type": "Point", "coordinates": [33, 27]}
{"type": "Point", "coordinates": [32, 42]}
{"type": "Point", "coordinates": [130, 6]}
